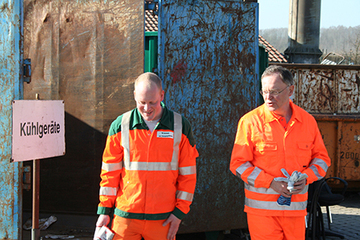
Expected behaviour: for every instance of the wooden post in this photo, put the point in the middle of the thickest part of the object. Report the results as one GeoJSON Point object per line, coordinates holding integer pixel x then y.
{"type": "Point", "coordinates": [35, 231]}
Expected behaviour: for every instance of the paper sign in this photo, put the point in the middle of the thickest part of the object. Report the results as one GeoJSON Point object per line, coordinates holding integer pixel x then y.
{"type": "Point", "coordinates": [38, 129]}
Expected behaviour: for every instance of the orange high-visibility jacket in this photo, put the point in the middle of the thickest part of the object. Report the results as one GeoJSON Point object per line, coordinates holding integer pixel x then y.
{"type": "Point", "coordinates": [262, 147]}
{"type": "Point", "coordinates": [148, 175]}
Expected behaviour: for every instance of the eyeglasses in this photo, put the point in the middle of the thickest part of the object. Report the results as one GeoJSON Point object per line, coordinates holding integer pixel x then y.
{"type": "Point", "coordinates": [272, 92]}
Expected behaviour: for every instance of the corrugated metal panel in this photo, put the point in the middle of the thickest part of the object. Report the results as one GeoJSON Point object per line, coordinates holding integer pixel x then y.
{"type": "Point", "coordinates": [87, 53]}
{"type": "Point", "coordinates": [11, 89]}
{"type": "Point", "coordinates": [209, 66]}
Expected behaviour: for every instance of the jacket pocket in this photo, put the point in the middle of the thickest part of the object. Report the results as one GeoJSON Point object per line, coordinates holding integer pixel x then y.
{"type": "Point", "coordinates": [267, 147]}
{"type": "Point", "coordinates": [304, 151]}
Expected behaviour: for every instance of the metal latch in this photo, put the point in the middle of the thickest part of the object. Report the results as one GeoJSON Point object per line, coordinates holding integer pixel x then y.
{"type": "Point", "coordinates": [27, 70]}
{"type": "Point", "coordinates": [26, 172]}
{"type": "Point", "coordinates": [357, 138]}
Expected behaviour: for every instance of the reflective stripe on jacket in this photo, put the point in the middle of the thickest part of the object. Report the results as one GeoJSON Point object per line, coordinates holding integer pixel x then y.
{"type": "Point", "coordinates": [148, 175]}
{"type": "Point", "coordinates": [262, 147]}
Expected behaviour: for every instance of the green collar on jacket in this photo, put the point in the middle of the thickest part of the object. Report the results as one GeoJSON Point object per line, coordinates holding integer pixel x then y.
{"type": "Point", "coordinates": [166, 120]}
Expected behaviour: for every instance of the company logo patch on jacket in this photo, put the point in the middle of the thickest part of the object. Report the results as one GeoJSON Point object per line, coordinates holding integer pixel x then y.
{"type": "Point", "coordinates": [161, 134]}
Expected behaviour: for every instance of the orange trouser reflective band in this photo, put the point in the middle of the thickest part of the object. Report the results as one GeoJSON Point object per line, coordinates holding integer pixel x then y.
{"type": "Point", "coordinates": [276, 227]}
{"type": "Point", "coordinates": [134, 229]}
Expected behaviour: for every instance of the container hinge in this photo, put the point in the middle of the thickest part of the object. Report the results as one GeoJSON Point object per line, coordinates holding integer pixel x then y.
{"type": "Point", "coordinates": [152, 5]}
{"type": "Point", "coordinates": [27, 70]}
{"type": "Point", "coordinates": [26, 172]}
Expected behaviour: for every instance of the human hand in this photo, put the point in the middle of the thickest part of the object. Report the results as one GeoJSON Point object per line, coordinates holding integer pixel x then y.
{"type": "Point", "coordinates": [174, 226]}
{"type": "Point", "coordinates": [280, 187]}
{"type": "Point", "coordinates": [103, 220]}
{"type": "Point", "coordinates": [299, 186]}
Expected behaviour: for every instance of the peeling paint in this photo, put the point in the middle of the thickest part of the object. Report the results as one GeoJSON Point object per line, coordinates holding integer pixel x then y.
{"type": "Point", "coordinates": [11, 88]}
{"type": "Point", "coordinates": [331, 94]}
{"type": "Point", "coordinates": [327, 89]}
{"type": "Point", "coordinates": [87, 53]}
{"type": "Point", "coordinates": [178, 72]}
{"type": "Point", "coordinates": [209, 69]}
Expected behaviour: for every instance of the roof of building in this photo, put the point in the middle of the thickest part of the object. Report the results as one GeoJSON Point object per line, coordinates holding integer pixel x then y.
{"type": "Point", "coordinates": [273, 54]}
{"type": "Point", "coordinates": [151, 25]}
{"type": "Point", "coordinates": [151, 21]}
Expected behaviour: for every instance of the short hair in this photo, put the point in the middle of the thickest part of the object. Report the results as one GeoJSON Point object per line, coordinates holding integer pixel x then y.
{"type": "Point", "coordinates": [152, 77]}
{"type": "Point", "coordinates": [284, 74]}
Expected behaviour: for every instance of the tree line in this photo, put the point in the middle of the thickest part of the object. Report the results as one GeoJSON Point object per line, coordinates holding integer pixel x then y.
{"type": "Point", "coordinates": [339, 44]}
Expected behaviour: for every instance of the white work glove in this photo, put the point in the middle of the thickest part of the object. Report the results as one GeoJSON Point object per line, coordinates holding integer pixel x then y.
{"type": "Point", "coordinates": [295, 177]}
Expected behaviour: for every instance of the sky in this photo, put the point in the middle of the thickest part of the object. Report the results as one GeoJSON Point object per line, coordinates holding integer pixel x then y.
{"type": "Point", "coordinates": [275, 13]}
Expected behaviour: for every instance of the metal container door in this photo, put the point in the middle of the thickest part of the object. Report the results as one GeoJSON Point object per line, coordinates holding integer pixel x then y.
{"type": "Point", "coordinates": [87, 53]}
{"type": "Point", "coordinates": [11, 89]}
{"type": "Point", "coordinates": [208, 61]}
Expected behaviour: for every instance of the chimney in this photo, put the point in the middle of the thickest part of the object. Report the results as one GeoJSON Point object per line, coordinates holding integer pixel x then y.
{"type": "Point", "coordinates": [304, 32]}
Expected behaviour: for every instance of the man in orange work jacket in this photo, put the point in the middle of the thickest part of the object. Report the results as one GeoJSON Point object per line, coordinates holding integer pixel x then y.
{"type": "Point", "coordinates": [277, 135]}
{"type": "Point", "coordinates": [149, 168]}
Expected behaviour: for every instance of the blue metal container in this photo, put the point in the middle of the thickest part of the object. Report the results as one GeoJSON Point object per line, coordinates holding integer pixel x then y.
{"type": "Point", "coordinates": [208, 60]}
{"type": "Point", "coordinates": [11, 89]}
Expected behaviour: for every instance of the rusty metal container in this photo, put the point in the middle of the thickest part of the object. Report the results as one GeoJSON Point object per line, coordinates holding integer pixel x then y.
{"type": "Point", "coordinates": [331, 94]}
{"type": "Point", "coordinates": [342, 137]}
{"type": "Point", "coordinates": [208, 60]}
{"type": "Point", "coordinates": [10, 89]}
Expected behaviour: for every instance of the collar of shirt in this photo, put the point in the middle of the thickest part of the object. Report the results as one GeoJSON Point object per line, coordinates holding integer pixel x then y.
{"type": "Point", "coordinates": [165, 120]}
{"type": "Point", "coordinates": [269, 116]}
{"type": "Point", "coordinates": [281, 119]}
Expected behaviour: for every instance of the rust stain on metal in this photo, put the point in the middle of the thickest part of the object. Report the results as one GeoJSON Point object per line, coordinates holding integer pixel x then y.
{"type": "Point", "coordinates": [345, 159]}
{"type": "Point", "coordinates": [327, 89]}
{"type": "Point", "coordinates": [178, 72]}
{"type": "Point", "coordinates": [357, 80]}
{"type": "Point", "coordinates": [10, 190]}
{"type": "Point", "coordinates": [350, 152]}
{"type": "Point", "coordinates": [5, 8]}
{"type": "Point", "coordinates": [210, 51]}
{"type": "Point", "coordinates": [87, 53]}
{"type": "Point", "coordinates": [316, 90]}
{"type": "Point", "coordinates": [331, 94]}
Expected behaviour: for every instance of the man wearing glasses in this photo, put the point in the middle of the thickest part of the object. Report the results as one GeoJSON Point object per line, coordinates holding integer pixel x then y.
{"type": "Point", "coordinates": [274, 137]}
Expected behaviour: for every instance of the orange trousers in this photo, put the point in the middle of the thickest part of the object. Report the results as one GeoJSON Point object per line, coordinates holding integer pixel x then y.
{"type": "Point", "coordinates": [276, 227]}
{"type": "Point", "coordinates": [134, 229]}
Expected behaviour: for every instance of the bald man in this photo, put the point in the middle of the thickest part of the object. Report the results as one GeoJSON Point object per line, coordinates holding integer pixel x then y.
{"type": "Point", "coordinates": [148, 173]}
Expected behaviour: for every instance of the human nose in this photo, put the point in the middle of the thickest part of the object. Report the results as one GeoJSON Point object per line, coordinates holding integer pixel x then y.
{"type": "Point", "coordinates": [146, 107]}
